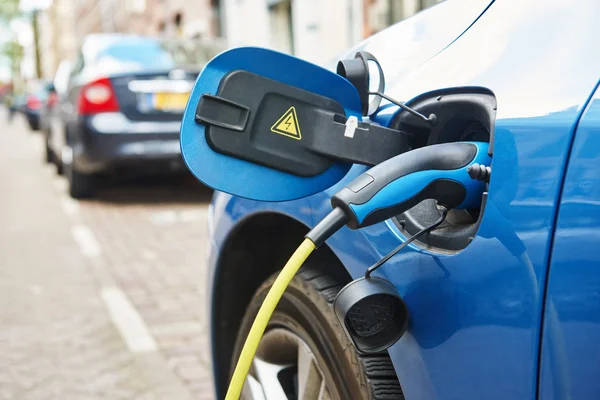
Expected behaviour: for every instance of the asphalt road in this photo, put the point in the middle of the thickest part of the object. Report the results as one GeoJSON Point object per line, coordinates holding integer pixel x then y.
{"type": "Point", "coordinates": [100, 299]}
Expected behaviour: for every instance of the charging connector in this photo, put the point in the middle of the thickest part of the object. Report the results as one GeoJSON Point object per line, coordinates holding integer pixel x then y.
{"type": "Point", "coordinates": [438, 172]}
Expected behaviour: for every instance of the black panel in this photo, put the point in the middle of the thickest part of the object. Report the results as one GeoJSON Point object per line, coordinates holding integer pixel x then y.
{"type": "Point", "coordinates": [370, 145]}
{"type": "Point", "coordinates": [269, 100]}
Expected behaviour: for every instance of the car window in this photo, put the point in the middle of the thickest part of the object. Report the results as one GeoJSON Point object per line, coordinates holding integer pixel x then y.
{"type": "Point", "coordinates": [133, 54]}
{"type": "Point", "coordinates": [148, 53]}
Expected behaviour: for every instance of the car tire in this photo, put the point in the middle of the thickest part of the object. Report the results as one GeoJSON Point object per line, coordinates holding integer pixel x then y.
{"type": "Point", "coordinates": [60, 165]}
{"type": "Point", "coordinates": [34, 124]}
{"type": "Point", "coordinates": [80, 185]}
{"type": "Point", "coordinates": [305, 311]}
{"type": "Point", "coordinates": [49, 156]}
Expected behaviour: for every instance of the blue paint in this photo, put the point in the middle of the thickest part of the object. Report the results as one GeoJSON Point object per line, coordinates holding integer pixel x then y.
{"type": "Point", "coordinates": [476, 315]}
{"type": "Point", "coordinates": [407, 187]}
{"type": "Point", "coordinates": [243, 178]}
{"type": "Point", "coordinates": [571, 331]}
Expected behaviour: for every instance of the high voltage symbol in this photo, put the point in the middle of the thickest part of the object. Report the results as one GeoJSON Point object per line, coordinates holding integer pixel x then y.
{"type": "Point", "coordinates": [288, 125]}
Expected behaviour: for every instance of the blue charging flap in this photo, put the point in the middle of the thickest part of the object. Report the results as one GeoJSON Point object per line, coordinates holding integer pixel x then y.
{"type": "Point", "coordinates": [243, 178]}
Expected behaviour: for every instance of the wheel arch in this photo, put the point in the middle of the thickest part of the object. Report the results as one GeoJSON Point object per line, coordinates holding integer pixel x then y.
{"type": "Point", "coordinates": [257, 247]}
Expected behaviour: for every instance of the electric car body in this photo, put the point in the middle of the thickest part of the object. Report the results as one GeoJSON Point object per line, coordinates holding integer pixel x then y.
{"type": "Point", "coordinates": [504, 301]}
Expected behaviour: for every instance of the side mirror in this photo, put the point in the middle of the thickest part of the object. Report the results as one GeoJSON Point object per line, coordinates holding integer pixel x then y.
{"type": "Point", "coordinates": [249, 118]}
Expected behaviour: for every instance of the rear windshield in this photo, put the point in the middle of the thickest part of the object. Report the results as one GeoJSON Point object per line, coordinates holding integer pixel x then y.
{"type": "Point", "coordinates": [136, 54]}
{"type": "Point", "coordinates": [148, 53]}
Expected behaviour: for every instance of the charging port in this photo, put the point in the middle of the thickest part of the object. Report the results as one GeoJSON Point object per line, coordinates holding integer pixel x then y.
{"type": "Point", "coordinates": [464, 114]}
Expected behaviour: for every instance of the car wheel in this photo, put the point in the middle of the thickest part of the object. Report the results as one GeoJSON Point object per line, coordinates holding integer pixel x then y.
{"type": "Point", "coordinates": [305, 354]}
{"type": "Point", "coordinates": [48, 155]}
{"type": "Point", "coordinates": [34, 124]}
{"type": "Point", "coordinates": [60, 165]}
{"type": "Point", "coordinates": [80, 185]}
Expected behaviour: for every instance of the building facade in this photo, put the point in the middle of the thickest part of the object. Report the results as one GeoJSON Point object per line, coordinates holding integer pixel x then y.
{"type": "Point", "coordinates": [57, 35]}
{"type": "Point", "coordinates": [65, 23]}
{"type": "Point", "coordinates": [315, 30]}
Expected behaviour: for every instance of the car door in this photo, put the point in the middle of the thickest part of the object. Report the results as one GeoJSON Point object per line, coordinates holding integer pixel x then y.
{"type": "Point", "coordinates": [57, 129]}
{"type": "Point", "coordinates": [475, 313]}
{"type": "Point", "coordinates": [571, 324]}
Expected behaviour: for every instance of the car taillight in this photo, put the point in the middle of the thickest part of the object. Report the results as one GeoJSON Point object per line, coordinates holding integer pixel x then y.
{"type": "Point", "coordinates": [98, 97]}
{"type": "Point", "coordinates": [33, 103]}
{"type": "Point", "coordinates": [52, 99]}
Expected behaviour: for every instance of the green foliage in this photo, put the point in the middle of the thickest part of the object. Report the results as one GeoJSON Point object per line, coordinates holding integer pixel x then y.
{"type": "Point", "coordinates": [12, 50]}
{"type": "Point", "coordinates": [9, 9]}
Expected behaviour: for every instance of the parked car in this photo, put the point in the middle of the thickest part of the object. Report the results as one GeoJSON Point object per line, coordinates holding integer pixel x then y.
{"type": "Point", "coordinates": [504, 301]}
{"type": "Point", "coordinates": [119, 108]}
{"type": "Point", "coordinates": [35, 97]}
{"type": "Point", "coordinates": [50, 100]}
{"type": "Point", "coordinates": [51, 119]}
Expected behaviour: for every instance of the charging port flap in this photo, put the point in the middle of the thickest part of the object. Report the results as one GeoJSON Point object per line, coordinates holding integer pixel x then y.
{"type": "Point", "coordinates": [254, 122]}
{"type": "Point", "coordinates": [289, 129]}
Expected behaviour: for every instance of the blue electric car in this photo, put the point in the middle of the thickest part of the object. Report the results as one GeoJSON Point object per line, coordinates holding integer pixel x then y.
{"type": "Point", "coordinates": [504, 300]}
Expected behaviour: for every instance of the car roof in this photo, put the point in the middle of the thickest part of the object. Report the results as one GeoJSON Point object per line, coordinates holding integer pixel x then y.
{"type": "Point", "coordinates": [94, 43]}
{"type": "Point", "coordinates": [94, 38]}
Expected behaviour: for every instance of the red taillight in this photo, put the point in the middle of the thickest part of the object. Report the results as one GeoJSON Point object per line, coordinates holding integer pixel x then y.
{"type": "Point", "coordinates": [52, 99]}
{"type": "Point", "coordinates": [33, 103]}
{"type": "Point", "coordinates": [98, 97]}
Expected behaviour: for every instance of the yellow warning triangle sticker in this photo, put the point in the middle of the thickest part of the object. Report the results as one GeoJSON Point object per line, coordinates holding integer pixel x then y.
{"type": "Point", "coordinates": [288, 125]}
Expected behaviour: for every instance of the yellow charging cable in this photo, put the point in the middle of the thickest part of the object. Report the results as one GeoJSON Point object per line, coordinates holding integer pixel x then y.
{"type": "Point", "coordinates": [317, 236]}
{"type": "Point", "coordinates": [262, 318]}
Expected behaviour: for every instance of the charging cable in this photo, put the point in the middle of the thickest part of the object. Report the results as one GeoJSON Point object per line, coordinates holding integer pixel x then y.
{"type": "Point", "coordinates": [264, 315]}
{"type": "Point", "coordinates": [437, 172]}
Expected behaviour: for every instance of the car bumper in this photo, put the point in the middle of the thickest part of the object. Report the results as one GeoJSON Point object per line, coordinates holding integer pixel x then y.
{"type": "Point", "coordinates": [103, 143]}
{"type": "Point", "coordinates": [32, 115]}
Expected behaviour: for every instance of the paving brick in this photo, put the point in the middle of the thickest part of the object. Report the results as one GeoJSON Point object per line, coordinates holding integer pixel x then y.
{"type": "Point", "coordinates": [183, 350]}
{"type": "Point", "coordinates": [57, 341]}
{"type": "Point", "coordinates": [187, 328]}
{"type": "Point", "coordinates": [191, 371]}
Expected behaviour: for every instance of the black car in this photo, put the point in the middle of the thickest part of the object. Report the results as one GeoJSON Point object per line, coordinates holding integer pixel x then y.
{"type": "Point", "coordinates": [36, 96]}
{"type": "Point", "coordinates": [119, 108]}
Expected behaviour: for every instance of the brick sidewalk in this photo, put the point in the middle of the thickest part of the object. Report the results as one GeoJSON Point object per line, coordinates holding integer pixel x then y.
{"type": "Point", "coordinates": [148, 242]}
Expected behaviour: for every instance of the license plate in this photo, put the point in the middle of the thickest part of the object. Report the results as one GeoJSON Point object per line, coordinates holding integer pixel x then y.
{"type": "Point", "coordinates": [170, 101]}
